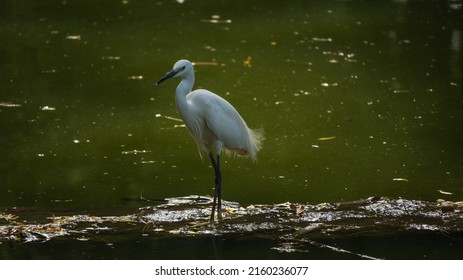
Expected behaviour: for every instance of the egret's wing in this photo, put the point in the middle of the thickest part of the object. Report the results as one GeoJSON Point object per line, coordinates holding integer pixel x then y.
{"type": "Point", "coordinates": [233, 131]}
{"type": "Point", "coordinates": [226, 123]}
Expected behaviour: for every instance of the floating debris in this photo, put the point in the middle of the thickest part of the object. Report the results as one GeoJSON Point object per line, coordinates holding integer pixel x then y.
{"type": "Point", "coordinates": [168, 117]}
{"type": "Point", "coordinates": [147, 161]}
{"type": "Point", "coordinates": [329, 85]}
{"type": "Point", "coordinates": [50, 71]}
{"type": "Point", "coordinates": [135, 77]}
{"type": "Point", "coordinates": [339, 250]}
{"type": "Point", "coordinates": [445, 192]}
{"type": "Point", "coordinates": [8, 217]}
{"type": "Point", "coordinates": [347, 57]}
{"type": "Point", "coordinates": [400, 179]}
{"type": "Point", "coordinates": [9, 104]}
{"type": "Point", "coordinates": [206, 63]}
{"type": "Point", "coordinates": [111, 58]}
{"type": "Point", "coordinates": [135, 152]}
{"type": "Point", "coordinates": [73, 37]}
{"type": "Point", "coordinates": [289, 222]}
{"type": "Point", "coordinates": [210, 48]}
{"type": "Point", "coordinates": [61, 200]}
{"type": "Point", "coordinates": [47, 108]}
{"type": "Point", "coordinates": [247, 62]}
{"type": "Point", "coordinates": [316, 39]}
{"type": "Point", "coordinates": [216, 19]}
{"type": "Point", "coordinates": [326, 138]}
{"type": "Point", "coordinates": [297, 208]}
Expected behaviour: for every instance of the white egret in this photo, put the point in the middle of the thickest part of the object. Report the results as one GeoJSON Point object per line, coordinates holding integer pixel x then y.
{"type": "Point", "coordinates": [212, 122]}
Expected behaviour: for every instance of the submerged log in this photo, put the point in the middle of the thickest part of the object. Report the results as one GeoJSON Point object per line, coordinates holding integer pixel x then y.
{"type": "Point", "coordinates": [189, 216]}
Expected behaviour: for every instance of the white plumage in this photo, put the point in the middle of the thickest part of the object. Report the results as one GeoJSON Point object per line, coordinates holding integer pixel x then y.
{"type": "Point", "coordinates": [213, 122]}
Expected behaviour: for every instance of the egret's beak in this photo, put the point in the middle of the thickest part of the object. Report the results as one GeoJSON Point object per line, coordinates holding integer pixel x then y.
{"type": "Point", "coordinates": [167, 76]}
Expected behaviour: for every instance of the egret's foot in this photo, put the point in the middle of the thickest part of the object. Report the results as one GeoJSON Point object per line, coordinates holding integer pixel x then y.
{"type": "Point", "coordinates": [219, 220]}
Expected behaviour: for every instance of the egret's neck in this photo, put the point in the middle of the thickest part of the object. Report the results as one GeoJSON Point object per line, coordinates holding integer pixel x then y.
{"type": "Point", "coordinates": [181, 92]}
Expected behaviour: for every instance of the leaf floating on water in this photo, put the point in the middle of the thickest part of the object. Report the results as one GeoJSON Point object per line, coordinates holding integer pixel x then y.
{"type": "Point", "coordinates": [400, 179]}
{"type": "Point", "coordinates": [9, 104]}
{"type": "Point", "coordinates": [135, 77]}
{"type": "Point", "coordinates": [179, 125]}
{"type": "Point", "coordinates": [111, 58]}
{"type": "Point", "coordinates": [316, 39]}
{"type": "Point", "coordinates": [326, 138]}
{"type": "Point", "coordinates": [401, 91]}
{"type": "Point", "coordinates": [134, 152]}
{"type": "Point", "coordinates": [49, 71]}
{"type": "Point", "coordinates": [169, 118]}
{"type": "Point", "coordinates": [216, 19]}
{"type": "Point", "coordinates": [445, 192]}
{"type": "Point", "coordinates": [73, 37]}
{"type": "Point", "coordinates": [206, 63]}
{"type": "Point", "coordinates": [61, 200]}
{"type": "Point", "coordinates": [329, 85]}
{"type": "Point", "coordinates": [47, 108]}
{"type": "Point", "coordinates": [247, 62]}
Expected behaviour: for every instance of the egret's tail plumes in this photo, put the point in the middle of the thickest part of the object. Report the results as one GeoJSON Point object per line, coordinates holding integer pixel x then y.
{"type": "Point", "coordinates": [251, 144]}
{"type": "Point", "coordinates": [256, 137]}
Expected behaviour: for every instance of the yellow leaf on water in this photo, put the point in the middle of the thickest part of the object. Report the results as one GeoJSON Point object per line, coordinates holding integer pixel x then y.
{"type": "Point", "coordinates": [400, 179]}
{"type": "Point", "coordinates": [135, 77]}
{"type": "Point", "coordinates": [326, 138]}
{"type": "Point", "coordinates": [247, 62]}
{"type": "Point", "coordinates": [73, 37]}
{"type": "Point", "coordinates": [207, 63]}
{"type": "Point", "coordinates": [444, 192]}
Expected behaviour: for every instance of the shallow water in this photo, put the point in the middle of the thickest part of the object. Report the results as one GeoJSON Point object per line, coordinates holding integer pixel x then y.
{"type": "Point", "coordinates": [357, 100]}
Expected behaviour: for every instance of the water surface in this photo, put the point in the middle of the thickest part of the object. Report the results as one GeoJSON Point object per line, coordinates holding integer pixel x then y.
{"type": "Point", "coordinates": [357, 99]}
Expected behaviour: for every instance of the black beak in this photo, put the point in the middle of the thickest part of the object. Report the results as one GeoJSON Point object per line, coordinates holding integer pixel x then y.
{"type": "Point", "coordinates": [167, 76]}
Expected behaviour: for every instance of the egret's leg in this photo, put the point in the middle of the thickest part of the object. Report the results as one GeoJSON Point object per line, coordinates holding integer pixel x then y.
{"type": "Point", "coordinates": [217, 188]}
{"type": "Point", "coordinates": [214, 202]}
{"type": "Point", "coordinates": [218, 185]}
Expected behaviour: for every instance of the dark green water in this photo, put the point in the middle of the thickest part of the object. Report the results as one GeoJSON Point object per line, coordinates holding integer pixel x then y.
{"type": "Point", "coordinates": [357, 99]}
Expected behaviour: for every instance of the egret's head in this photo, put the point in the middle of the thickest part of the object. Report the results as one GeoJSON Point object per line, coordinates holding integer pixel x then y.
{"type": "Point", "coordinates": [182, 68]}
